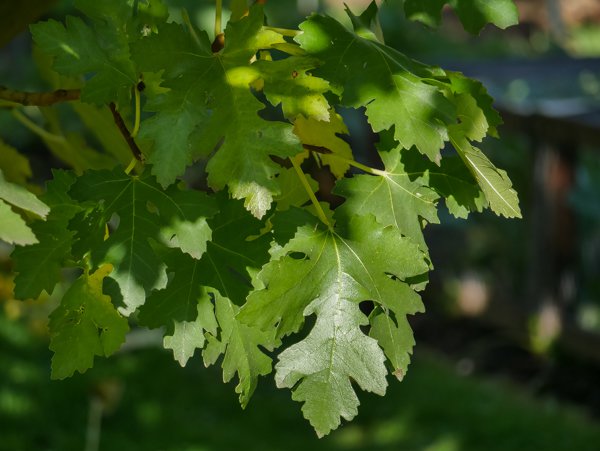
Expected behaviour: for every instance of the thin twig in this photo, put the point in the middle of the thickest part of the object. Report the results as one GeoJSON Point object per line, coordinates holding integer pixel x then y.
{"type": "Point", "coordinates": [218, 14]}
{"type": "Point", "coordinates": [135, 150]}
{"type": "Point", "coordinates": [39, 98]}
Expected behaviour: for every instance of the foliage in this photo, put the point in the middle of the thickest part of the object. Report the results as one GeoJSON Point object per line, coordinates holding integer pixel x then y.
{"type": "Point", "coordinates": [236, 269]}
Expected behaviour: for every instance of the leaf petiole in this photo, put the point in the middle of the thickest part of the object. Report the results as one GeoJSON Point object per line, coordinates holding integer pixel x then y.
{"type": "Point", "coordinates": [283, 31]}
{"type": "Point", "coordinates": [186, 19]}
{"type": "Point", "coordinates": [309, 190]}
{"type": "Point", "coordinates": [36, 128]}
{"type": "Point", "coordinates": [136, 124]}
{"type": "Point", "coordinates": [131, 165]}
{"type": "Point", "coordinates": [358, 165]}
{"type": "Point", "coordinates": [218, 15]}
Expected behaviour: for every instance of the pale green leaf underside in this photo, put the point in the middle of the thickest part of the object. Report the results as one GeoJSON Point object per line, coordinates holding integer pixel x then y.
{"type": "Point", "coordinates": [187, 336]}
{"type": "Point", "coordinates": [339, 270]}
{"type": "Point", "coordinates": [494, 182]}
{"type": "Point", "coordinates": [320, 367]}
{"type": "Point", "coordinates": [13, 228]}
{"type": "Point", "coordinates": [21, 198]}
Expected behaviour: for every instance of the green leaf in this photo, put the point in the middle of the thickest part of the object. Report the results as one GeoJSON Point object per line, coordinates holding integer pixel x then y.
{"type": "Point", "coordinates": [84, 325]}
{"type": "Point", "coordinates": [240, 345]}
{"type": "Point", "coordinates": [429, 12]}
{"type": "Point", "coordinates": [21, 198]}
{"type": "Point", "coordinates": [394, 196]}
{"type": "Point", "coordinates": [39, 265]}
{"type": "Point", "coordinates": [287, 82]}
{"type": "Point", "coordinates": [393, 88]}
{"type": "Point", "coordinates": [234, 250]}
{"type": "Point", "coordinates": [451, 180]}
{"type": "Point", "coordinates": [178, 300]}
{"type": "Point", "coordinates": [328, 273]}
{"type": "Point", "coordinates": [237, 249]}
{"type": "Point", "coordinates": [169, 131]}
{"type": "Point", "coordinates": [322, 136]}
{"type": "Point", "coordinates": [367, 24]}
{"type": "Point", "coordinates": [462, 85]}
{"type": "Point", "coordinates": [474, 14]}
{"type": "Point", "coordinates": [187, 336]}
{"type": "Point", "coordinates": [292, 193]}
{"type": "Point", "coordinates": [79, 49]}
{"type": "Point", "coordinates": [320, 368]}
{"type": "Point", "coordinates": [494, 182]}
{"type": "Point", "coordinates": [210, 107]}
{"type": "Point", "coordinates": [474, 109]}
{"type": "Point", "coordinates": [13, 228]}
{"type": "Point", "coordinates": [146, 213]}
{"type": "Point", "coordinates": [238, 9]}
{"type": "Point", "coordinates": [395, 336]}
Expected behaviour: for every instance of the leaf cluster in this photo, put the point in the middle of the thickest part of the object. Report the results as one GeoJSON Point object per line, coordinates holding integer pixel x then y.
{"type": "Point", "coordinates": [233, 269]}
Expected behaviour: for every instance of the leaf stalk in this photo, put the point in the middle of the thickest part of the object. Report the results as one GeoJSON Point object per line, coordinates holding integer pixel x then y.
{"type": "Point", "coordinates": [218, 16]}
{"type": "Point", "coordinates": [310, 193]}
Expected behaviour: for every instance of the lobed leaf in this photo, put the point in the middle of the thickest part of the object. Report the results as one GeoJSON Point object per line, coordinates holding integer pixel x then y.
{"type": "Point", "coordinates": [147, 214]}
{"type": "Point", "coordinates": [288, 83]}
{"type": "Point", "coordinates": [211, 110]}
{"type": "Point", "coordinates": [395, 197]}
{"type": "Point", "coordinates": [328, 273]}
{"type": "Point", "coordinates": [84, 325]}
{"type": "Point", "coordinates": [79, 49]}
{"type": "Point", "coordinates": [494, 182]}
{"type": "Point", "coordinates": [240, 345]}
{"type": "Point", "coordinates": [331, 150]}
{"type": "Point", "coordinates": [474, 14]}
{"type": "Point", "coordinates": [187, 336]}
{"type": "Point", "coordinates": [393, 88]}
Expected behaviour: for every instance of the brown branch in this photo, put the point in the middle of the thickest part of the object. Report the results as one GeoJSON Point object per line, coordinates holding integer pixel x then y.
{"type": "Point", "coordinates": [39, 98]}
{"type": "Point", "coordinates": [135, 150]}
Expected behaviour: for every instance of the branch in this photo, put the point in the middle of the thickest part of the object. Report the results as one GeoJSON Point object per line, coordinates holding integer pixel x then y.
{"type": "Point", "coordinates": [137, 153]}
{"type": "Point", "coordinates": [39, 98]}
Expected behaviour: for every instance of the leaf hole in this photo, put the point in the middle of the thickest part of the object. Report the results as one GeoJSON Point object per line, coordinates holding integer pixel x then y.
{"type": "Point", "coordinates": [297, 255]}
{"type": "Point", "coordinates": [366, 307]}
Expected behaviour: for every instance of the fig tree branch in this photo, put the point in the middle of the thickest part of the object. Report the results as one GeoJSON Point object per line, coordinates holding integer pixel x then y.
{"type": "Point", "coordinates": [39, 98]}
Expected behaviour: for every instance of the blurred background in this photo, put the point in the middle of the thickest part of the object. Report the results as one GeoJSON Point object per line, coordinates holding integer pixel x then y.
{"type": "Point", "coordinates": [508, 353]}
